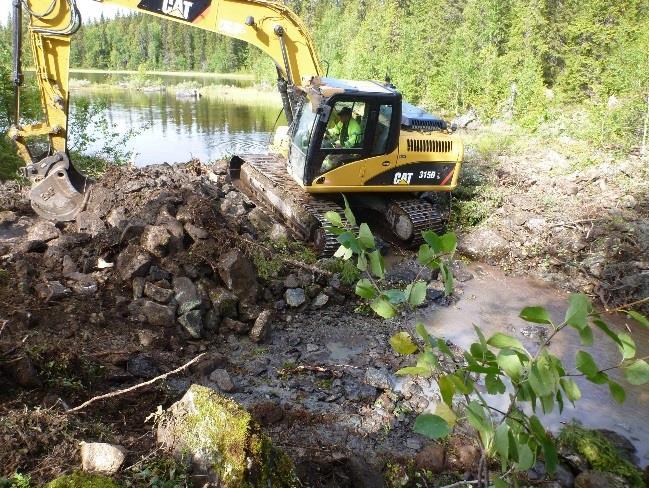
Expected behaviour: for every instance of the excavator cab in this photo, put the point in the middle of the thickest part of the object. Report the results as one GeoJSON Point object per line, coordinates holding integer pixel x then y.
{"type": "Point", "coordinates": [316, 144]}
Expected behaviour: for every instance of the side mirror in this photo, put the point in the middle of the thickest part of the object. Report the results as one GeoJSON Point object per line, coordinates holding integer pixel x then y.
{"type": "Point", "coordinates": [454, 127]}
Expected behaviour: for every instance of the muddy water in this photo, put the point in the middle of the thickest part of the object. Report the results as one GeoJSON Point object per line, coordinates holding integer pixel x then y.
{"type": "Point", "coordinates": [493, 301]}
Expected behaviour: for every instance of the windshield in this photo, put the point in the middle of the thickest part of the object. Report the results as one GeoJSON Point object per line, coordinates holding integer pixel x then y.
{"type": "Point", "coordinates": [301, 139]}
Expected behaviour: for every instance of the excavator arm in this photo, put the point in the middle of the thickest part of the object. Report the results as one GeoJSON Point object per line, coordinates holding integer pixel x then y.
{"type": "Point", "coordinates": [58, 190]}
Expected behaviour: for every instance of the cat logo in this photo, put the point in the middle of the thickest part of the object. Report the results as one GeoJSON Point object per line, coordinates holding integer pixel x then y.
{"type": "Point", "coordinates": [402, 178]}
{"type": "Point", "coordinates": [177, 8]}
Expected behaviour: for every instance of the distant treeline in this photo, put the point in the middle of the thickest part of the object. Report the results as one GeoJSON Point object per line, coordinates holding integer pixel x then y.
{"type": "Point", "coordinates": [531, 61]}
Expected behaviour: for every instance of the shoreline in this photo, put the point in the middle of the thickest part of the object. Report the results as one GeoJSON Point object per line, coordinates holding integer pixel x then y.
{"type": "Point", "coordinates": [229, 76]}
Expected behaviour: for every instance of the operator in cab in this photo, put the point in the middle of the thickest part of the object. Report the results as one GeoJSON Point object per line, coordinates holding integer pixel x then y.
{"type": "Point", "coordinates": [347, 132]}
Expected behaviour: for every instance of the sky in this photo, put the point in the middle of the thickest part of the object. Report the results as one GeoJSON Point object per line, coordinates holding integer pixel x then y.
{"type": "Point", "coordinates": [90, 10]}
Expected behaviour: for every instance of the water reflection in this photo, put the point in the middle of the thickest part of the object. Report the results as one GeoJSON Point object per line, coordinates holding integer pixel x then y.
{"type": "Point", "coordinates": [180, 129]}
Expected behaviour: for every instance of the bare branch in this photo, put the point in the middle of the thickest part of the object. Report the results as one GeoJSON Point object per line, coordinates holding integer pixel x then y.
{"type": "Point", "coordinates": [135, 387]}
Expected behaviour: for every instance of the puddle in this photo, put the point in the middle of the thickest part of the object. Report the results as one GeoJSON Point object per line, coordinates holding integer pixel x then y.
{"type": "Point", "coordinates": [493, 301]}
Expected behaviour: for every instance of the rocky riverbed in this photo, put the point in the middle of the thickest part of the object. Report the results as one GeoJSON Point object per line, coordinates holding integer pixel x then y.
{"type": "Point", "coordinates": [170, 262]}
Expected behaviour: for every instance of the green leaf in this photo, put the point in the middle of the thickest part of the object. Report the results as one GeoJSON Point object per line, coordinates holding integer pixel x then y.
{"type": "Point", "coordinates": [414, 371]}
{"type": "Point", "coordinates": [447, 278]}
{"type": "Point", "coordinates": [365, 289]}
{"type": "Point", "coordinates": [395, 296]}
{"type": "Point", "coordinates": [417, 293]}
{"type": "Point", "coordinates": [433, 240]}
{"type": "Point", "coordinates": [427, 257]}
{"type": "Point", "coordinates": [600, 324]}
{"type": "Point", "coordinates": [447, 389]}
{"type": "Point", "coordinates": [571, 388]}
{"type": "Point", "coordinates": [383, 308]}
{"type": "Point", "coordinates": [617, 392]}
{"type": "Point", "coordinates": [449, 242]}
{"type": "Point", "coordinates": [443, 347]}
{"type": "Point", "coordinates": [365, 237]}
{"type": "Point", "coordinates": [464, 386]}
{"type": "Point", "coordinates": [637, 373]}
{"type": "Point", "coordinates": [500, 483]}
{"type": "Point", "coordinates": [547, 402]}
{"type": "Point", "coordinates": [361, 263]}
{"type": "Point", "coordinates": [537, 428]}
{"type": "Point", "coordinates": [377, 267]}
{"type": "Point", "coordinates": [334, 218]}
{"type": "Point", "coordinates": [503, 341]}
{"type": "Point", "coordinates": [578, 310]}
{"type": "Point", "coordinates": [349, 215]}
{"type": "Point", "coordinates": [431, 426]}
{"type": "Point", "coordinates": [586, 336]}
{"type": "Point", "coordinates": [550, 456]}
{"type": "Point", "coordinates": [340, 252]}
{"type": "Point", "coordinates": [525, 457]}
{"type": "Point", "coordinates": [494, 384]}
{"type": "Point", "coordinates": [538, 315]}
{"type": "Point", "coordinates": [510, 363]}
{"type": "Point", "coordinates": [586, 364]}
{"type": "Point", "coordinates": [402, 343]}
{"type": "Point", "coordinates": [427, 360]}
{"type": "Point", "coordinates": [444, 411]}
{"type": "Point", "coordinates": [627, 348]}
{"type": "Point", "coordinates": [501, 441]}
{"type": "Point", "coordinates": [540, 380]}
{"type": "Point", "coordinates": [423, 333]}
{"type": "Point", "coordinates": [641, 319]}
{"type": "Point", "coordinates": [477, 418]}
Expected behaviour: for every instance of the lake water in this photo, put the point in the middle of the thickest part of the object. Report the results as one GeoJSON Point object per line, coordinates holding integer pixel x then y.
{"type": "Point", "coordinates": [175, 129]}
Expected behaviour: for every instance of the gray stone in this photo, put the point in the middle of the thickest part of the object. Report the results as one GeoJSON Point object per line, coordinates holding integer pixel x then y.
{"type": "Point", "coordinates": [460, 272]}
{"type": "Point", "coordinates": [52, 290]}
{"type": "Point", "coordinates": [43, 231]}
{"type": "Point", "coordinates": [564, 476]}
{"type": "Point", "coordinates": [195, 232]}
{"type": "Point", "coordinates": [142, 366]}
{"type": "Point", "coordinates": [222, 379]}
{"type": "Point", "coordinates": [261, 329]}
{"type": "Point", "coordinates": [159, 274]}
{"type": "Point", "coordinates": [260, 220]}
{"type": "Point", "coordinates": [224, 302]}
{"type": "Point", "coordinates": [291, 281]}
{"type": "Point", "coordinates": [379, 378]}
{"type": "Point", "coordinates": [102, 458]}
{"type": "Point", "coordinates": [158, 314]}
{"type": "Point", "coordinates": [133, 261]}
{"type": "Point", "coordinates": [90, 223]}
{"type": "Point", "coordinates": [158, 293]}
{"type": "Point", "coordinates": [186, 293]}
{"type": "Point", "coordinates": [68, 266]}
{"type": "Point", "coordinates": [294, 297]}
{"type": "Point", "coordinates": [155, 239]}
{"type": "Point", "coordinates": [278, 233]}
{"type": "Point", "coordinates": [212, 320]}
{"type": "Point", "coordinates": [7, 217]}
{"type": "Point", "coordinates": [192, 322]}
{"type": "Point", "coordinates": [233, 205]}
{"type": "Point", "coordinates": [598, 479]}
{"type": "Point", "coordinates": [239, 274]}
{"type": "Point", "coordinates": [483, 244]}
{"type": "Point", "coordinates": [138, 286]}
{"type": "Point", "coordinates": [320, 300]}
{"type": "Point", "coordinates": [147, 337]}
{"type": "Point", "coordinates": [117, 217]}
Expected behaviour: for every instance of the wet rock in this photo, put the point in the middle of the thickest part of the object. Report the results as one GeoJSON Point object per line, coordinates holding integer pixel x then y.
{"type": "Point", "coordinates": [52, 290]}
{"type": "Point", "coordinates": [431, 458]}
{"type": "Point", "coordinates": [379, 378]}
{"type": "Point", "coordinates": [597, 479]}
{"type": "Point", "coordinates": [158, 293]}
{"type": "Point", "coordinates": [186, 294]}
{"type": "Point", "coordinates": [407, 271]}
{"type": "Point", "coordinates": [83, 285]}
{"type": "Point", "coordinates": [43, 231]}
{"type": "Point", "coordinates": [158, 314]}
{"type": "Point", "coordinates": [537, 472]}
{"type": "Point", "coordinates": [236, 326]}
{"type": "Point", "coordinates": [320, 300]}
{"type": "Point", "coordinates": [483, 244]}
{"type": "Point", "coordinates": [192, 322]}
{"type": "Point", "coordinates": [222, 379]}
{"type": "Point", "coordinates": [68, 265]}
{"type": "Point", "coordinates": [90, 223]}
{"type": "Point", "coordinates": [142, 366]}
{"type": "Point", "coordinates": [195, 232]}
{"type": "Point", "coordinates": [102, 458]}
{"type": "Point", "coordinates": [155, 239]}
{"type": "Point", "coordinates": [261, 329]}
{"type": "Point", "coordinates": [239, 274]}
{"type": "Point", "coordinates": [224, 302]}
{"type": "Point", "coordinates": [221, 441]}
{"type": "Point", "coordinates": [132, 262]}
{"type": "Point", "coordinates": [294, 297]}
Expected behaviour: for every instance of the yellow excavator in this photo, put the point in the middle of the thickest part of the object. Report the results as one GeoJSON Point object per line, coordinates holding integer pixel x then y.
{"type": "Point", "coordinates": [357, 138]}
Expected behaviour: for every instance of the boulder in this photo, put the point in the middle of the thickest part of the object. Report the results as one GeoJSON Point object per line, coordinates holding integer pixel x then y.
{"type": "Point", "coordinates": [43, 231]}
{"type": "Point", "coordinates": [186, 294]}
{"type": "Point", "coordinates": [116, 217]}
{"type": "Point", "coordinates": [155, 239]}
{"type": "Point", "coordinates": [233, 206]}
{"type": "Point", "coordinates": [261, 329]}
{"type": "Point", "coordinates": [133, 261]}
{"type": "Point", "coordinates": [102, 458]}
{"type": "Point", "coordinates": [239, 274]}
{"type": "Point", "coordinates": [222, 379]}
{"type": "Point", "coordinates": [260, 220]}
{"type": "Point", "coordinates": [295, 297]}
{"type": "Point", "coordinates": [195, 232]}
{"type": "Point", "coordinates": [192, 322]}
{"type": "Point", "coordinates": [90, 223]}
{"type": "Point", "coordinates": [379, 378]}
{"type": "Point", "coordinates": [225, 447]}
{"type": "Point", "coordinates": [158, 314]}
{"type": "Point", "coordinates": [158, 293]}
{"type": "Point", "coordinates": [598, 479]}
{"type": "Point", "coordinates": [483, 244]}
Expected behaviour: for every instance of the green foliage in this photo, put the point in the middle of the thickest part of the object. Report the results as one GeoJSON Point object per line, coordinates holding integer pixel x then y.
{"type": "Point", "coordinates": [271, 256]}
{"type": "Point", "coordinates": [17, 480]}
{"type": "Point", "coordinates": [599, 452]}
{"type": "Point", "coordinates": [160, 472]}
{"type": "Point", "coordinates": [536, 382]}
{"type": "Point", "coordinates": [82, 480]}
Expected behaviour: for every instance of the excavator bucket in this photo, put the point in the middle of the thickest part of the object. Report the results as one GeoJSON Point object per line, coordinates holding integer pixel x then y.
{"type": "Point", "coordinates": [59, 192]}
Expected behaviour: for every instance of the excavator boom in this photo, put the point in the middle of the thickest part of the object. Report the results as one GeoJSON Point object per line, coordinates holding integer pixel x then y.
{"type": "Point", "coordinates": [58, 190]}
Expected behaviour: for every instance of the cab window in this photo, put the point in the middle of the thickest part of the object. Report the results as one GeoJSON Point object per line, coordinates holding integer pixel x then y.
{"type": "Point", "coordinates": [382, 133]}
{"type": "Point", "coordinates": [346, 127]}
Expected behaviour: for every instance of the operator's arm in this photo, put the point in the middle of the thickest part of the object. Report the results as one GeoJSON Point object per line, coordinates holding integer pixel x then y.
{"type": "Point", "coordinates": [354, 135]}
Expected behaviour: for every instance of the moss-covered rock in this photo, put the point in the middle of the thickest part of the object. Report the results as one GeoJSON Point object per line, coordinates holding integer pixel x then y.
{"type": "Point", "coordinates": [599, 452]}
{"type": "Point", "coordinates": [222, 442]}
{"type": "Point", "coordinates": [82, 480]}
